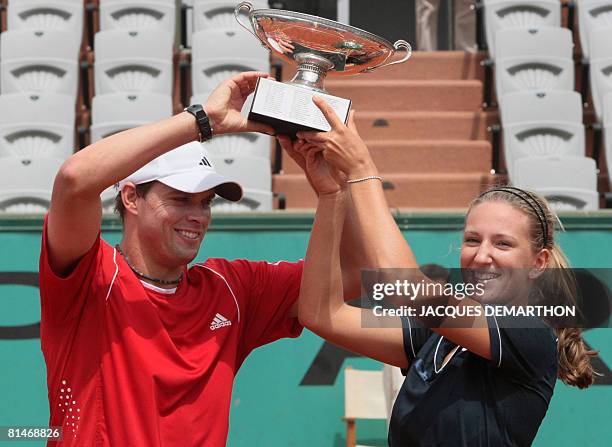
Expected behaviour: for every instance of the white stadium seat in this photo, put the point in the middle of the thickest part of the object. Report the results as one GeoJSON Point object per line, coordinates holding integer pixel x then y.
{"type": "Point", "coordinates": [530, 106]}
{"type": "Point", "coordinates": [568, 183]}
{"type": "Point", "coordinates": [201, 98]}
{"type": "Point", "coordinates": [25, 185]}
{"type": "Point", "coordinates": [533, 59]}
{"type": "Point", "coordinates": [114, 112]}
{"type": "Point", "coordinates": [600, 67]}
{"type": "Point", "coordinates": [242, 144]}
{"type": "Point", "coordinates": [217, 55]}
{"type": "Point", "coordinates": [253, 200]}
{"type": "Point", "coordinates": [502, 14]}
{"type": "Point", "coordinates": [138, 14]}
{"type": "Point", "coordinates": [36, 125]}
{"type": "Point", "coordinates": [250, 172]}
{"type": "Point", "coordinates": [39, 61]}
{"type": "Point", "coordinates": [213, 14]}
{"type": "Point", "coordinates": [250, 144]}
{"type": "Point", "coordinates": [540, 124]}
{"type": "Point", "coordinates": [133, 61]}
{"type": "Point", "coordinates": [254, 174]}
{"type": "Point", "coordinates": [592, 15]}
{"type": "Point", "coordinates": [65, 15]}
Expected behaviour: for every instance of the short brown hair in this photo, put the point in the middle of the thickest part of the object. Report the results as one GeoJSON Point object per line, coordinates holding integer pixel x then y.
{"type": "Point", "coordinates": [141, 191]}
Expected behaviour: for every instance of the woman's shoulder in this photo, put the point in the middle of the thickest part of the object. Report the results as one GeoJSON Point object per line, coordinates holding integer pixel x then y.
{"type": "Point", "coordinates": [526, 346]}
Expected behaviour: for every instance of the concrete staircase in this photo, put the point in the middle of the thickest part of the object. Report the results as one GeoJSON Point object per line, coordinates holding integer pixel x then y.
{"type": "Point", "coordinates": [425, 127]}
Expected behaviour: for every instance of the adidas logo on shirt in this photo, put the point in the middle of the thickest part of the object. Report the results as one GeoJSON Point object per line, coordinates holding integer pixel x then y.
{"type": "Point", "coordinates": [219, 321]}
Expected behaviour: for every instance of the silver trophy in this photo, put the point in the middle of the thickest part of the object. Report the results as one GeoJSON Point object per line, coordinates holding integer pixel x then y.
{"type": "Point", "coordinates": [319, 47]}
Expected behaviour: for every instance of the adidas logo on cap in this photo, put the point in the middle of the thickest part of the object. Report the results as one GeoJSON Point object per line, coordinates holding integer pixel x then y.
{"type": "Point", "coordinates": [204, 162]}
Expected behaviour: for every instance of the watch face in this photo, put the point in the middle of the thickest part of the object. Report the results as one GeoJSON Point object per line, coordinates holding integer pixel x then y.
{"type": "Point", "coordinates": [195, 108]}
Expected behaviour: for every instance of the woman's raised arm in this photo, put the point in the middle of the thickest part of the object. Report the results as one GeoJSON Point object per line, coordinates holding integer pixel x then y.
{"type": "Point", "coordinates": [384, 244]}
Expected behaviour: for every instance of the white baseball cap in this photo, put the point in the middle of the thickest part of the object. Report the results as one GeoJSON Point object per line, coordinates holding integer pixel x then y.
{"type": "Point", "coordinates": [186, 168]}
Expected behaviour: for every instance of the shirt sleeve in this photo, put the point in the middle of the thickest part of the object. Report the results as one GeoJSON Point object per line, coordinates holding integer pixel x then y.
{"type": "Point", "coordinates": [274, 289]}
{"type": "Point", "coordinates": [62, 298]}
{"type": "Point", "coordinates": [415, 336]}
{"type": "Point", "coordinates": [525, 347]}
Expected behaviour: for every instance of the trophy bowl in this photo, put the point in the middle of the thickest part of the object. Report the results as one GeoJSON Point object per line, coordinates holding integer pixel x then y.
{"type": "Point", "coordinates": [319, 47]}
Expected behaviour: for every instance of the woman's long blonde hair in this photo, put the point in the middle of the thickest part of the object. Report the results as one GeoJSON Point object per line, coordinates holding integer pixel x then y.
{"type": "Point", "coordinates": [574, 358]}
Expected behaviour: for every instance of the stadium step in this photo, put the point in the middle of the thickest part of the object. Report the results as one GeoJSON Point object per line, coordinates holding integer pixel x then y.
{"type": "Point", "coordinates": [423, 190]}
{"type": "Point", "coordinates": [417, 125]}
{"type": "Point", "coordinates": [428, 65]}
{"type": "Point", "coordinates": [446, 95]}
{"type": "Point", "coordinates": [424, 65]}
{"type": "Point", "coordinates": [424, 124]}
{"type": "Point", "coordinates": [431, 156]}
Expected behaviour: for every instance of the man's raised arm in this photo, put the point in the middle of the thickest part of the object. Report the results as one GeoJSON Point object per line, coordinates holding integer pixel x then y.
{"type": "Point", "coordinates": [74, 216]}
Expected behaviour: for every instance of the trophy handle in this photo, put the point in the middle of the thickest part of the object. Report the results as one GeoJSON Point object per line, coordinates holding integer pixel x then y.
{"type": "Point", "coordinates": [399, 45]}
{"type": "Point", "coordinates": [248, 7]}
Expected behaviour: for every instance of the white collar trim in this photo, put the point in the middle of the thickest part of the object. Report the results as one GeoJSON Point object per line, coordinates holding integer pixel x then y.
{"type": "Point", "coordinates": [158, 289]}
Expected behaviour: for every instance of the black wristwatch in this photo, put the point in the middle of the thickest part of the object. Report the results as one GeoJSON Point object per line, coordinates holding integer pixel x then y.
{"type": "Point", "coordinates": [198, 112]}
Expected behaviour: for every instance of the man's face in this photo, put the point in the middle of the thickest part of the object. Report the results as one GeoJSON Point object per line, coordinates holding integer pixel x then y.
{"type": "Point", "coordinates": [171, 223]}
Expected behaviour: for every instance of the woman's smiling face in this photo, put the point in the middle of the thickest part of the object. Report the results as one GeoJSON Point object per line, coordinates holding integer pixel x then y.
{"type": "Point", "coordinates": [497, 250]}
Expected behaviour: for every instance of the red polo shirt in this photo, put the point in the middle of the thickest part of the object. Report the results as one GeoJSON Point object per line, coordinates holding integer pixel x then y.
{"type": "Point", "coordinates": [128, 365]}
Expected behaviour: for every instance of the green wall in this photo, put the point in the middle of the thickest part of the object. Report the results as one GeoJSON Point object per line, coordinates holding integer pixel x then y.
{"type": "Point", "coordinates": [269, 406]}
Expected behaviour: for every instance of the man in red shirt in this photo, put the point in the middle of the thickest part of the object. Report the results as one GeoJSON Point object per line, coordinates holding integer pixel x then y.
{"type": "Point", "coordinates": [140, 349]}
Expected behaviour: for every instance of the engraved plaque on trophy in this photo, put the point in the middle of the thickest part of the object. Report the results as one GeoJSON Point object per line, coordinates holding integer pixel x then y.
{"type": "Point", "coordinates": [319, 47]}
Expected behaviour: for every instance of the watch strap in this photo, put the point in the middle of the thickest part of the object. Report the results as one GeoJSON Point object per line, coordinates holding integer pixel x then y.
{"type": "Point", "coordinates": [206, 131]}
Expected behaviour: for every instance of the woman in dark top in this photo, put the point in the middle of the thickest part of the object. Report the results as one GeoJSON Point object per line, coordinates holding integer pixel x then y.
{"type": "Point", "coordinates": [474, 381]}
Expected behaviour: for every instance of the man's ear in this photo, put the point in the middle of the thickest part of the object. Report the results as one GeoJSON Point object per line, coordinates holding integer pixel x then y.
{"type": "Point", "coordinates": [540, 264]}
{"type": "Point", "coordinates": [129, 197]}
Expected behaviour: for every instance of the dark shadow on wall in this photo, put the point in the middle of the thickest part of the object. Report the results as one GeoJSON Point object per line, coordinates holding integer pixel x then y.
{"type": "Point", "coordinates": [24, 332]}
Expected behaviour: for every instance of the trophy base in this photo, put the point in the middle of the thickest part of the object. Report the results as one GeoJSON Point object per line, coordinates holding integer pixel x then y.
{"type": "Point", "coordinates": [289, 108]}
{"type": "Point", "coordinates": [281, 127]}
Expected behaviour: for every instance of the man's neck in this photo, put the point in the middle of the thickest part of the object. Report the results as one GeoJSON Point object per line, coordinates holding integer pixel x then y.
{"type": "Point", "coordinates": [148, 269]}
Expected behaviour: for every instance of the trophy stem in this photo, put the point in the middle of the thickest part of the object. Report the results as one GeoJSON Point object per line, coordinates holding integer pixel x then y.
{"type": "Point", "coordinates": [311, 71]}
